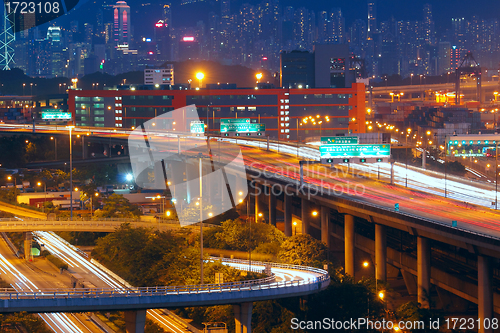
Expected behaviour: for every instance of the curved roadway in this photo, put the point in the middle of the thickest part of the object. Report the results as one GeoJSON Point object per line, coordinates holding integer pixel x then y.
{"type": "Point", "coordinates": [291, 281]}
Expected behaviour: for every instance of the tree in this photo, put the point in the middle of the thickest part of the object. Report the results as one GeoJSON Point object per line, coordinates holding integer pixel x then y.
{"type": "Point", "coordinates": [236, 235]}
{"type": "Point", "coordinates": [117, 206]}
{"type": "Point", "coordinates": [303, 250]}
{"type": "Point", "coordinates": [411, 311]}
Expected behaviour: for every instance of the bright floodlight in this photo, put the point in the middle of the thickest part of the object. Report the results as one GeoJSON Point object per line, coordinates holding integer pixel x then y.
{"type": "Point", "coordinates": [200, 75]}
{"type": "Point", "coordinates": [258, 76]}
{"type": "Point", "coordinates": [128, 177]}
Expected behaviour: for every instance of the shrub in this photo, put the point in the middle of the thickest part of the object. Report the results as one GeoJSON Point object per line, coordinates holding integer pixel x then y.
{"type": "Point", "coordinates": [56, 261]}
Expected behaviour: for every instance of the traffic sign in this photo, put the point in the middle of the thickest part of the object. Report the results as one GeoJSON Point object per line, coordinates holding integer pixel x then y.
{"type": "Point", "coordinates": [197, 127]}
{"type": "Point", "coordinates": [351, 150]}
{"type": "Point", "coordinates": [353, 140]}
{"type": "Point", "coordinates": [55, 115]}
{"type": "Point", "coordinates": [396, 207]}
{"type": "Point", "coordinates": [240, 125]}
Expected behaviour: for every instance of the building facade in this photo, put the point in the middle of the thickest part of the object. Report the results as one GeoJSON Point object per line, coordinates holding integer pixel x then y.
{"type": "Point", "coordinates": [281, 110]}
{"type": "Point", "coordinates": [160, 76]}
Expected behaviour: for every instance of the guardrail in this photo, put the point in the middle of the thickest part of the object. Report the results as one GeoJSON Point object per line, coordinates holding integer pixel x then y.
{"type": "Point", "coordinates": [228, 287]}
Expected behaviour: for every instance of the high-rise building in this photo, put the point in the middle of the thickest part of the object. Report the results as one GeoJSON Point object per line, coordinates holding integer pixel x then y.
{"type": "Point", "coordinates": [189, 48]}
{"type": "Point", "coordinates": [121, 23]}
{"type": "Point", "coordinates": [167, 14]}
{"type": "Point", "coordinates": [322, 27]}
{"type": "Point", "coordinates": [163, 40]}
{"type": "Point", "coordinates": [225, 8]}
{"type": "Point", "coordinates": [337, 32]}
{"type": "Point", "coordinates": [54, 37]}
{"type": "Point", "coordinates": [428, 25]}
{"type": "Point", "coordinates": [444, 57]}
{"type": "Point", "coordinates": [159, 76]}
{"type": "Point", "coordinates": [372, 18]}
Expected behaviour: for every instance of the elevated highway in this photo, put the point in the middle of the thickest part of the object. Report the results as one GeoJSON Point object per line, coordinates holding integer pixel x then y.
{"type": "Point", "coordinates": [135, 301]}
{"type": "Point", "coordinates": [345, 200]}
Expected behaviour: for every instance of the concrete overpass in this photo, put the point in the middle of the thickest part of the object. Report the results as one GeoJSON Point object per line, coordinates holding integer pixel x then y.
{"type": "Point", "coordinates": [103, 225]}
{"type": "Point", "coordinates": [136, 301]}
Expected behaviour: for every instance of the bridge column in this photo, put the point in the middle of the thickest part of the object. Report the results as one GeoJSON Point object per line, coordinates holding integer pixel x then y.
{"type": "Point", "coordinates": [256, 199]}
{"type": "Point", "coordinates": [287, 208]}
{"type": "Point", "coordinates": [135, 321]}
{"type": "Point", "coordinates": [380, 252]}
{"type": "Point", "coordinates": [27, 245]}
{"type": "Point", "coordinates": [272, 206]}
{"type": "Point", "coordinates": [325, 226]}
{"type": "Point", "coordinates": [305, 215]}
{"type": "Point", "coordinates": [349, 244]}
{"type": "Point", "coordinates": [484, 290]}
{"type": "Point", "coordinates": [423, 271]}
{"type": "Point", "coordinates": [83, 148]}
{"type": "Point", "coordinates": [193, 188]}
{"type": "Point", "coordinates": [243, 317]}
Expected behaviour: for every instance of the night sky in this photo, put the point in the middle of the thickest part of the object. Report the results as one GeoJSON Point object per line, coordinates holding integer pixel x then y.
{"type": "Point", "coordinates": [144, 11]}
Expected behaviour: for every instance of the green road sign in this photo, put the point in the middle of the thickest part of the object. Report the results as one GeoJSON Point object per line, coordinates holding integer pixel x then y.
{"type": "Point", "coordinates": [197, 127]}
{"type": "Point", "coordinates": [240, 125]}
{"type": "Point", "coordinates": [350, 150]}
{"type": "Point", "coordinates": [338, 140]}
{"type": "Point", "coordinates": [55, 114]}
{"type": "Point", "coordinates": [227, 121]}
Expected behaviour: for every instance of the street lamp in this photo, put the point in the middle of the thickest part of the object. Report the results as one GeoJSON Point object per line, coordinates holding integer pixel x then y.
{"type": "Point", "coordinates": [96, 194]}
{"type": "Point", "coordinates": [200, 77]}
{"type": "Point", "coordinates": [295, 227]}
{"type": "Point", "coordinates": [70, 172]}
{"type": "Point", "coordinates": [44, 190]}
{"type": "Point", "coordinates": [366, 264]}
{"type": "Point", "coordinates": [258, 76]}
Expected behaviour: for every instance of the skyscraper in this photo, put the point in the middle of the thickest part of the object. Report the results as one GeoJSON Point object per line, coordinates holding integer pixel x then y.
{"type": "Point", "coordinates": [121, 21]}
{"type": "Point", "coordinates": [225, 8]}
{"type": "Point", "coordinates": [428, 25]}
{"type": "Point", "coordinates": [372, 18]}
{"type": "Point", "coordinates": [167, 14]}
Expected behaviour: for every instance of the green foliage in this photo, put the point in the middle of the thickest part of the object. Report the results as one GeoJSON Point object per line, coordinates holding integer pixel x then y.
{"type": "Point", "coordinates": [147, 258]}
{"type": "Point", "coordinates": [303, 250]}
{"type": "Point", "coordinates": [9, 195]}
{"type": "Point", "coordinates": [57, 262]}
{"type": "Point", "coordinates": [411, 311]}
{"type": "Point", "coordinates": [242, 236]}
{"type": "Point", "coordinates": [116, 206]}
{"type": "Point", "coordinates": [30, 322]}
{"type": "Point", "coordinates": [81, 237]}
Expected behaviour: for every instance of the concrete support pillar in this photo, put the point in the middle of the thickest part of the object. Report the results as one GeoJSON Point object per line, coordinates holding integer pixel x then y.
{"type": "Point", "coordinates": [193, 188]}
{"type": "Point", "coordinates": [484, 290]}
{"type": "Point", "coordinates": [243, 317]}
{"type": "Point", "coordinates": [325, 226]}
{"type": "Point", "coordinates": [256, 199]}
{"type": "Point", "coordinates": [272, 207]}
{"type": "Point", "coordinates": [423, 271]}
{"type": "Point", "coordinates": [287, 208]}
{"type": "Point", "coordinates": [349, 244]}
{"type": "Point", "coordinates": [305, 216]}
{"type": "Point", "coordinates": [83, 147]}
{"type": "Point", "coordinates": [135, 321]}
{"type": "Point", "coordinates": [27, 245]}
{"type": "Point", "coordinates": [380, 252]}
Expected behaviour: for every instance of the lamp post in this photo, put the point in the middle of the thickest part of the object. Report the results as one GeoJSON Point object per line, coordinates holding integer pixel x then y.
{"type": "Point", "coordinates": [70, 172]}
{"type": "Point", "coordinates": [201, 221]}
{"type": "Point", "coordinates": [24, 85]}
{"type": "Point", "coordinates": [200, 77]}
{"type": "Point", "coordinates": [96, 194]}
{"type": "Point", "coordinates": [258, 76]}
{"type": "Point", "coordinates": [496, 174]}
{"type": "Point", "coordinates": [55, 146]}
{"type": "Point", "coordinates": [45, 191]}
